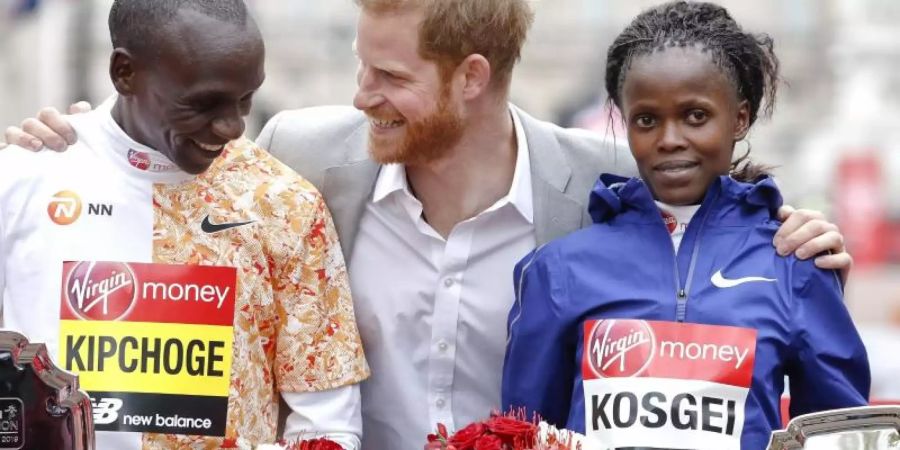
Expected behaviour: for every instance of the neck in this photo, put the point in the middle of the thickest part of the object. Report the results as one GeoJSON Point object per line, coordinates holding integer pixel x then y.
{"type": "Point", "coordinates": [477, 172]}
{"type": "Point", "coordinates": [123, 116]}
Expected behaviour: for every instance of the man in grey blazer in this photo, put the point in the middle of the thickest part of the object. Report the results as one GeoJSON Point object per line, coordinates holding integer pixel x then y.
{"type": "Point", "coordinates": [419, 179]}
{"type": "Point", "coordinates": [438, 186]}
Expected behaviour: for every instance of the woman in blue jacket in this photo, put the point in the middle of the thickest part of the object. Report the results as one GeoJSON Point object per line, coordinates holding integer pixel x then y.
{"type": "Point", "coordinates": [671, 322]}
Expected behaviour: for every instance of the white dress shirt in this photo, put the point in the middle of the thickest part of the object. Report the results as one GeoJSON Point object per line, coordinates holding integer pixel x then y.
{"type": "Point", "coordinates": [332, 414]}
{"type": "Point", "coordinates": [432, 311]}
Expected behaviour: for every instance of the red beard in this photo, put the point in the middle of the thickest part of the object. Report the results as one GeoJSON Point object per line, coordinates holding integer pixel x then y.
{"type": "Point", "coordinates": [426, 140]}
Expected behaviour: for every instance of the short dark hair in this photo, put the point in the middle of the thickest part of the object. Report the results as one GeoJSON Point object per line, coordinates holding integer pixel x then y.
{"type": "Point", "coordinates": [137, 24]}
{"type": "Point", "coordinates": [748, 60]}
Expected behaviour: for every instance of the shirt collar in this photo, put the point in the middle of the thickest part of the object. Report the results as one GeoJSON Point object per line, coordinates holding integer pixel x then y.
{"type": "Point", "coordinates": [520, 193]}
{"type": "Point", "coordinates": [392, 177]}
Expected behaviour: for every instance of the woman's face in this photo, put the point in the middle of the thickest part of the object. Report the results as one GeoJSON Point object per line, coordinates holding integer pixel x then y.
{"type": "Point", "coordinates": [683, 117]}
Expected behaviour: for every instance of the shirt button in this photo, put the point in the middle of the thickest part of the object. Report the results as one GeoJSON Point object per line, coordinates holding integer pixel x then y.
{"type": "Point", "coordinates": [448, 282]}
{"type": "Point", "coordinates": [443, 346]}
{"type": "Point", "coordinates": [440, 403]}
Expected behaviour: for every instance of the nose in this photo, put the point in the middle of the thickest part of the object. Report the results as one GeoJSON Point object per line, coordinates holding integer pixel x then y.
{"type": "Point", "coordinates": [229, 126]}
{"type": "Point", "coordinates": [672, 139]}
{"type": "Point", "coordinates": [367, 96]}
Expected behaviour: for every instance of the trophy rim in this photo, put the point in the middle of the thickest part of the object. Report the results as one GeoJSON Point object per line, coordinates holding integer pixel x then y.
{"type": "Point", "coordinates": [802, 428]}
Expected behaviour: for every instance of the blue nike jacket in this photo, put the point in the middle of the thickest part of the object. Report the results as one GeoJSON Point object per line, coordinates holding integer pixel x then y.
{"type": "Point", "coordinates": [624, 266]}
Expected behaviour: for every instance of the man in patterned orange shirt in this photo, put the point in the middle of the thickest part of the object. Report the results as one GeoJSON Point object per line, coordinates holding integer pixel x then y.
{"type": "Point", "coordinates": [190, 278]}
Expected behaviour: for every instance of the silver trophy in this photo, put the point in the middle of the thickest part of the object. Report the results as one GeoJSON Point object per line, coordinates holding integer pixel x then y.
{"type": "Point", "coordinates": [41, 406]}
{"type": "Point", "coordinates": [862, 428]}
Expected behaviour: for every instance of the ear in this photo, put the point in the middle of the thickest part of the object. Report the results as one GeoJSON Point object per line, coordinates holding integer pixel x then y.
{"type": "Point", "coordinates": [123, 71]}
{"type": "Point", "coordinates": [742, 124]}
{"type": "Point", "coordinates": [475, 74]}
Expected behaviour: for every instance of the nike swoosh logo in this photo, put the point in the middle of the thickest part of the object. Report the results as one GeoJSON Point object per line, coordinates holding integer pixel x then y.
{"type": "Point", "coordinates": [721, 282]}
{"type": "Point", "coordinates": [209, 227]}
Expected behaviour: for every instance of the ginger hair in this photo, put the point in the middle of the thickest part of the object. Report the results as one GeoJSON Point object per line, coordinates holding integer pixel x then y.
{"type": "Point", "coordinates": [452, 30]}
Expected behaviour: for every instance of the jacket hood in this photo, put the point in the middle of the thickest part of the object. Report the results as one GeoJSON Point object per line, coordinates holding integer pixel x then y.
{"type": "Point", "coordinates": [613, 195]}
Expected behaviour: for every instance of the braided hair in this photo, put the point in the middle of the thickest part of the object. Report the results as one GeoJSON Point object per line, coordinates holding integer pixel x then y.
{"type": "Point", "coordinates": [748, 60]}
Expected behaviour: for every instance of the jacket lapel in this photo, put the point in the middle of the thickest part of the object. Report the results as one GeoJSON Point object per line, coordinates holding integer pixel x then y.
{"type": "Point", "coordinates": [348, 187]}
{"type": "Point", "coordinates": [555, 213]}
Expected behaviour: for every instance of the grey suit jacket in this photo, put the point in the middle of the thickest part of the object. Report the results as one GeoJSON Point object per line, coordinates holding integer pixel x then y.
{"type": "Point", "coordinates": [327, 145]}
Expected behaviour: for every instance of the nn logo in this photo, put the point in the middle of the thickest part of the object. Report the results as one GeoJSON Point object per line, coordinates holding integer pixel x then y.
{"type": "Point", "coordinates": [65, 208]}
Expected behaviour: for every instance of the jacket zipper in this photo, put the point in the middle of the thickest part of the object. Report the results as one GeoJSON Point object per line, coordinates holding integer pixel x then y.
{"type": "Point", "coordinates": [682, 293]}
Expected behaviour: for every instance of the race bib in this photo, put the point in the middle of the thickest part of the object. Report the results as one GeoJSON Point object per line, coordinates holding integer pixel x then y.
{"type": "Point", "coordinates": [152, 343]}
{"type": "Point", "coordinates": [666, 384]}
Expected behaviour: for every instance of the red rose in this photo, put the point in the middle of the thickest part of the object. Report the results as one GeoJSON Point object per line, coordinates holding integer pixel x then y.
{"type": "Point", "coordinates": [465, 439]}
{"type": "Point", "coordinates": [441, 435]}
{"type": "Point", "coordinates": [512, 430]}
{"type": "Point", "coordinates": [318, 444]}
{"type": "Point", "coordinates": [489, 442]}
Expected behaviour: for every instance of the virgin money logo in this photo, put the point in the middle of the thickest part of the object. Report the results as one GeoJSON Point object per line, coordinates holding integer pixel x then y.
{"type": "Point", "coordinates": [670, 221]}
{"type": "Point", "coordinates": [620, 348]}
{"type": "Point", "coordinates": [64, 208]}
{"type": "Point", "coordinates": [143, 161]}
{"type": "Point", "coordinates": [139, 160]}
{"type": "Point", "coordinates": [101, 290]}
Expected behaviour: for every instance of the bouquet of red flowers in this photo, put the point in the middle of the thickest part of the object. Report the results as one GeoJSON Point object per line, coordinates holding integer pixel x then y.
{"type": "Point", "coordinates": [313, 444]}
{"type": "Point", "coordinates": [503, 432]}
{"type": "Point", "coordinates": [307, 444]}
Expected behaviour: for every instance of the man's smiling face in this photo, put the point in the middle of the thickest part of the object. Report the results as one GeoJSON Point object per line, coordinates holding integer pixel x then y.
{"type": "Point", "coordinates": [193, 95]}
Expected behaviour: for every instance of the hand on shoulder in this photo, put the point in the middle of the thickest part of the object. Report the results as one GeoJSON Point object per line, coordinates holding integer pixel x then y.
{"type": "Point", "coordinates": [48, 129]}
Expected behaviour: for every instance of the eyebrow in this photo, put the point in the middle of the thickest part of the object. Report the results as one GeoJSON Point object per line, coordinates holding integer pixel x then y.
{"type": "Point", "coordinates": [393, 70]}
{"type": "Point", "coordinates": [200, 96]}
{"type": "Point", "coordinates": [396, 71]}
{"type": "Point", "coordinates": [701, 101]}
{"type": "Point", "coordinates": [211, 96]}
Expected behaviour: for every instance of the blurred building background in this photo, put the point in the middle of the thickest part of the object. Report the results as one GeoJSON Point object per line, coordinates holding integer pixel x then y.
{"type": "Point", "coordinates": [835, 135]}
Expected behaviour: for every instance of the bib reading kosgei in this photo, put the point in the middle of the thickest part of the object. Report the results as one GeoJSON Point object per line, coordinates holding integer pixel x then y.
{"type": "Point", "coordinates": [666, 384]}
